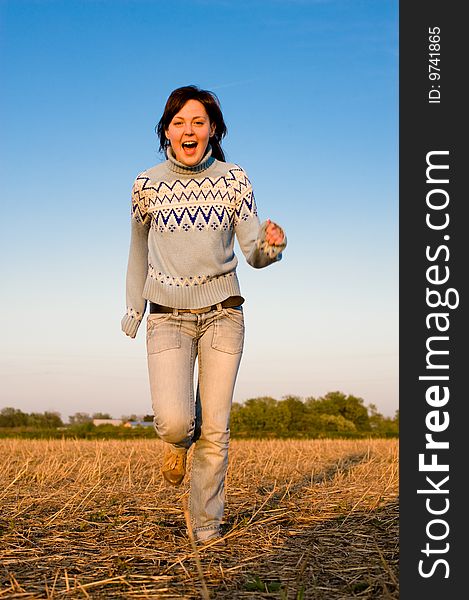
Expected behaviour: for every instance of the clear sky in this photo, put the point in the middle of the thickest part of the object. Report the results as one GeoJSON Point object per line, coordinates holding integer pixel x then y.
{"type": "Point", "coordinates": [309, 91]}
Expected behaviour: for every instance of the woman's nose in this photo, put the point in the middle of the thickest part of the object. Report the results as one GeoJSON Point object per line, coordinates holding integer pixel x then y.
{"type": "Point", "coordinates": [188, 128]}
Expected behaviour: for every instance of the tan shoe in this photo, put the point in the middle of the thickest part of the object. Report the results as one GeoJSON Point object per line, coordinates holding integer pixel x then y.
{"type": "Point", "coordinates": [174, 466]}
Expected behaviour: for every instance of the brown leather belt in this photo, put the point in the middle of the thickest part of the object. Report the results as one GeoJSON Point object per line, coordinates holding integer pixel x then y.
{"type": "Point", "coordinates": [230, 302]}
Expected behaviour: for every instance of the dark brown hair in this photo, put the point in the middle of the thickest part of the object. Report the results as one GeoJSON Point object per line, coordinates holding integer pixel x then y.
{"type": "Point", "coordinates": [177, 99]}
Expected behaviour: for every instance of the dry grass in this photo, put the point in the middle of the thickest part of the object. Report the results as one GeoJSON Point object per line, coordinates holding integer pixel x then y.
{"type": "Point", "coordinates": [314, 519]}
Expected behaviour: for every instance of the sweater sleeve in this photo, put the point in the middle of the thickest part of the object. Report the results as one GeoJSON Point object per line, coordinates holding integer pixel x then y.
{"type": "Point", "coordinates": [137, 266]}
{"type": "Point", "coordinates": [250, 232]}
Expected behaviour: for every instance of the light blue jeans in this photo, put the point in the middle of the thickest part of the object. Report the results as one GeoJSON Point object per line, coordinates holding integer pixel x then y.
{"type": "Point", "coordinates": [182, 418]}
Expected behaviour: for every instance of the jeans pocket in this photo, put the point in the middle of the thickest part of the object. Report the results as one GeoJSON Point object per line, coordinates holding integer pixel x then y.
{"type": "Point", "coordinates": [228, 331]}
{"type": "Point", "coordinates": [163, 333]}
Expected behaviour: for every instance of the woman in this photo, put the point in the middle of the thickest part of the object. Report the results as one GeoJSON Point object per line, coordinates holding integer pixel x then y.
{"type": "Point", "coordinates": [185, 214]}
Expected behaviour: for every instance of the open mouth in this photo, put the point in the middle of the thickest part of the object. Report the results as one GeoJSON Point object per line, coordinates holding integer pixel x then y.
{"type": "Point", "coordinates": [189, 148]}
{"type": "Point", "coordinates": [189, 145]}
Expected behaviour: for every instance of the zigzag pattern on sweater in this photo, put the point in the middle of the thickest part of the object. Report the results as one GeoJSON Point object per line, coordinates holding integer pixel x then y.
{"type": "Point", "coordinates": [183, 281]}
{"type": "Point", "coordinates": [194, 204]}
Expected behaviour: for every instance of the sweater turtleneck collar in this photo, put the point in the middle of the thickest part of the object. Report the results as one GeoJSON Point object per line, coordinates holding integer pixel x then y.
{"type": "Point", "coordinates": [179, 167]}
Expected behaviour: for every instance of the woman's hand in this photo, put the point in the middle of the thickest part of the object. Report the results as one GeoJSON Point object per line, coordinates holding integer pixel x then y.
{"type": "Point", "coordinates": [274, 234]}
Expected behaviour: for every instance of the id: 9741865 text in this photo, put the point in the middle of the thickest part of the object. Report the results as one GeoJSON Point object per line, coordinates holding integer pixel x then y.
{"type": "Point", "coordinates": [434, 57]}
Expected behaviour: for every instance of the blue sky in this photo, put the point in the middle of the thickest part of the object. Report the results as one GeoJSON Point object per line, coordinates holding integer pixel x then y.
{"type": "Point", "coordinates": [309, 91]}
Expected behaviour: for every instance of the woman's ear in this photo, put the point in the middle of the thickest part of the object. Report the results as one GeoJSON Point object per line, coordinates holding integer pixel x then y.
{"type": "Point", "coordinates": [213, 129]}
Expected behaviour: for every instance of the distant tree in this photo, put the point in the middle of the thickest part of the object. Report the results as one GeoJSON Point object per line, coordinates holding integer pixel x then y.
{"type": "Point", "coordinates": [236, 419]}
{"type": "Point", "coordinates": [100, 415]}
{"type": "Point", "coordinates": [300, 422]}
{"type": "Point", "coordinates": [148, 418]}
{"type": "Point", "coordinates": [13, 417]}
{"type": "Point", "coordinates": [334, 414]}
{"type": "Point", "coordinates": [259, 415]}
{"type": "Point", "coordinates": [46, 420]}
{"type": "Point", "coordinates": [129, 418]}
{"type": "Point", "coordinates": [83, 428]}
{"type": "Point", "coordinates": [375, 417]}
{"type": "Point", "coordinates": [337, 403]}
{"type": "Point", "coordinates": [336, 424]}
{"type": "Point", "coordinates": [79, 418]}
{"type": "Point", "coordinates": [281, 420]}
{"type": "Point", "coordinates": [383, 426]}
{"type": "Point", "coordinates": [267, 417]}
{"type": "Point", "coordinates": [255, 417]}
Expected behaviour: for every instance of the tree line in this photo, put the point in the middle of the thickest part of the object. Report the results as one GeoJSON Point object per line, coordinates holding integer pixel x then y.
{"type": "Point", "coordinates": [333, 415]}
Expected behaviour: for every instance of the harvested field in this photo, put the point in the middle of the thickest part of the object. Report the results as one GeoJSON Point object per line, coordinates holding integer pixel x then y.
{"type": "Point", "coordinates": [309, 519]}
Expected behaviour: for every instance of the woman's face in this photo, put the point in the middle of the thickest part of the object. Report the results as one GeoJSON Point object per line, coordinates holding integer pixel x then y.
{"type": "Point", "coordinates": [189, 132]}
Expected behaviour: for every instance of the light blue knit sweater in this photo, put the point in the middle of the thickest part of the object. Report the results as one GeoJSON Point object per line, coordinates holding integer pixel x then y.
{"type": "Point", "coordinates": [183, 223]}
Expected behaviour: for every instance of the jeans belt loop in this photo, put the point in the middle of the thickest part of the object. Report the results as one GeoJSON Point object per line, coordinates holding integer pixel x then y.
{"type": "Point", "coordinates": [175, 312]}
{"type": "Point", "coordinates": [219, 307]}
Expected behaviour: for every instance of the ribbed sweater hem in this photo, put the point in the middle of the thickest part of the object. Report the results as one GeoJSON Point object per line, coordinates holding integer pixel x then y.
{"type": "Point", "coordinates": [208, 293]}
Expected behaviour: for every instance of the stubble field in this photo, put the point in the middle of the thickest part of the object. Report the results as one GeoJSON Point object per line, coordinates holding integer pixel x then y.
{"type": "Point", "coordinates": [315, 519]}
